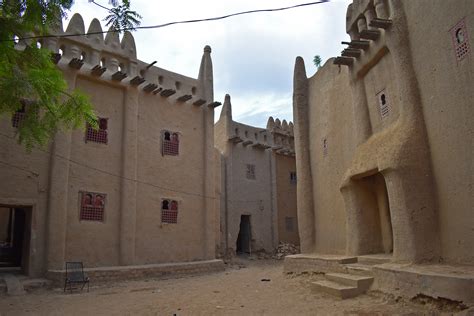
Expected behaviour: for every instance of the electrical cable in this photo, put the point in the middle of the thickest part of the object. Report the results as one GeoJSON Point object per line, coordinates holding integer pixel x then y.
{"type": "Point", "coordinates": [169, 23]}
{"type": "Point", "coordinates": [121, 177]}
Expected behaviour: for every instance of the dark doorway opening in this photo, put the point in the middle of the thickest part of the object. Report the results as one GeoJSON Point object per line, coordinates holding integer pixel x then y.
{"type": "Point", "coordinates": [375, 216]}
{"type": "Point", "coordinates": [14, 236]}
{"type": "Point", "coordinates": [244, 238]}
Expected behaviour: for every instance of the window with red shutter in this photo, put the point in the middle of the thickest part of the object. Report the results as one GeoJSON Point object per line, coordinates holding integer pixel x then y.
{"type": "Point", "coordinates": [99, 135]}
{"type": "Point", "coordinates": [92, 206]}
{"type": "Point", "coordinates": [170, 143]}
{"type": "Point", "coordinates": [169, 211]}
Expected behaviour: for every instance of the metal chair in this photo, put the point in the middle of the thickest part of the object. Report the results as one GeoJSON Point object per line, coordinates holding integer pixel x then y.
{"type": "Point", "coordinates": [75, 275]}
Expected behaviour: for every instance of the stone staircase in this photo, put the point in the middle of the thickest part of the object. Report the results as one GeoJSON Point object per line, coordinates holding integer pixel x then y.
{"type": "Point", "coordinates": [357, 279]}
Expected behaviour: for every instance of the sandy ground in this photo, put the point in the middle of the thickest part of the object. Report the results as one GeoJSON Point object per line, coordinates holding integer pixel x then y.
{"type": "Point", "coordinates": [237, 291]}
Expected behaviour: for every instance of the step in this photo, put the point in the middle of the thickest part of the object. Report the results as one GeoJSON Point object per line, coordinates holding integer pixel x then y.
{"type": "Point", "coordinates": [14, 286]}
{"type": "Point", "coordinates": [336, 289]}
{"type": "Point", "coordinates": [33, 284]}
{"type": "Point", "coordinates": [361, 282]}
{"type": "Point", "coordinates": [359, 269]}
{"type": "Point", "coordinates": [374, 259]}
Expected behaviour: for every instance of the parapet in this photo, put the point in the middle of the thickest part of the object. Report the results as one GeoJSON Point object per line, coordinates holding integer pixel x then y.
{"type": "Point", "coordinates": [283, 142]}
{"type": "Point", "coordinates": [366, 22]}
{"type": "Point", "coordinates": [114, 59]}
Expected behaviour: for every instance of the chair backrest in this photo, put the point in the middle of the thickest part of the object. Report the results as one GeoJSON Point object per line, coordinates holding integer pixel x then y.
{"type": "Point", "coordinates": [75, 271]}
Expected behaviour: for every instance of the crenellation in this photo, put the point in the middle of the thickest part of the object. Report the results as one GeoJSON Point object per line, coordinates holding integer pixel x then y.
{"type": "Point", "coordinates": [282, 137]}
{"type": "Point", "coordinates": [76, 25]}
{"type": "Point", "coordinates": [95, 33]}
{"type": "Point", "coordinates": [128, 45]}
{"type": "Point", "coordinates": [115, 59]}
{"type": "Point", "coordinates": [381, 9]}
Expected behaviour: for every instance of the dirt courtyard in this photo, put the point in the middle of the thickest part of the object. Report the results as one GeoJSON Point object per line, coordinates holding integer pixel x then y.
{"type": "Point", "coordinates": [246, 287]}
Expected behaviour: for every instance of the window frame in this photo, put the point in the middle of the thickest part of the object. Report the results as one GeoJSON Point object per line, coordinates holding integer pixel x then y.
{"type": "Point", "coordinates": [250, 171]}
{"type": "Point", "coordinates": [170, 147]}
{"type": "Point", "coordinates": [169, 215]}
{"type": "Point", "coordinates": [92, 207]}
{"type": "Point", "coordinates": [99, 136]}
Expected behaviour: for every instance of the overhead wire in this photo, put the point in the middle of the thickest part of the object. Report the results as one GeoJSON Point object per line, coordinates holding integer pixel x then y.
{"type": "Point", "coordinates": [166, 24]}
{"type": "Point", "coordinates": [119, 176]}
{"type": "Point", "coordinates": [149, 27]}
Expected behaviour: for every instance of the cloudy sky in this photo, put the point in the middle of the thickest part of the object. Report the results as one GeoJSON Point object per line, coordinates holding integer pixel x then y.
{"type": "Point", "coordinates": [253, 55]}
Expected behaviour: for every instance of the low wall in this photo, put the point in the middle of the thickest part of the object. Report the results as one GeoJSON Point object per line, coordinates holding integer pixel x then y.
{"type": "Point", "coordinates": [437, 281]}
{"type": "Point", "coordinates": [122, 273]}
{"type": "Point", "coordinates": [316, 263]}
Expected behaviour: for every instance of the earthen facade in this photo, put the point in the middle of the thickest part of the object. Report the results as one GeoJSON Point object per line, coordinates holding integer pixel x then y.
{"type": "Point", "coordinates": [140, 190]}
{"type": "Point", "coordinates": [258, 186]}
{"type": "Point", "coordinates": [384, 141]}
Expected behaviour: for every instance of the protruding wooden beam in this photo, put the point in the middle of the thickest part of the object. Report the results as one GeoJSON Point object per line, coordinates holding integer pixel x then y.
{"type": "Point", "coordinates": [351, 52]}
{"type": "Point", "coordinates": [348, 61]}
{"type": "Point", "coordinates": [259, 146]}
{"type": "Point", "coordinates": [235, 139]}
{"type": "Point", "coordinates": [98, 70]}
{"type": "Point", "coordinates": [370, 34]}
{"type": "Point", "coordinates": [247, 142]}
{"type": "Point", "coordinates": [56, 57]}
{"type": "Point", "coordinates": [185, 98]}
{"type": "Point", "coordinates": [214, 104]}
{"type": "Point", "coordinates": [150, 87]}
{"type": "Point", "coordinates": [381, 23]}
{"type": "Point", "coordinates": [137, 80]}
{"type": "Point", "coordinates": [76, 63]}
{"type": "Point", "coordinates": [157, 90]}
{"type": "Point", "coordinates": [277, 147]}
{"type": "Point", "coordinates": [167, 92]}
{"type": "Point", "coordinates": [199, 102]}
{"type": "Point", "coordinates": [358, 44]}
{"type": "Point", "coordinates": [119, 76]}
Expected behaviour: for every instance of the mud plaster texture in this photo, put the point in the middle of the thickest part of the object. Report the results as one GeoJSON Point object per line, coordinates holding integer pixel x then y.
{"type": "Point", "coordinates": [237, 291]}
{"type": "Point", "coordinates": [384, 145]}
{"type": "Point", "coordinates": [399, 183]}
{"type": "Point", "coordinates": [130, 170]}
{"type": "Point", "coordinates": [268, 197]}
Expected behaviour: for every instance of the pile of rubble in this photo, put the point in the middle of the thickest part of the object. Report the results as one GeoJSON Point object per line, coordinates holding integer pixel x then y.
{"type": "Point", "coordinates": [285, 249]}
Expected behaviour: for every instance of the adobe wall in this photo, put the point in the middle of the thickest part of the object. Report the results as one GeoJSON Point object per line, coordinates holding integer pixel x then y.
{"type": "Point", "coordinates": [140, 101]}
{"type": "Point", "coordinates": [421, 147]}
{"type": "Point", "coordinates": [96, 243]}
{"type": "Point", "coordinates": [447, 94]}
{"type": "Point", "coordinates": [286, 199]}
{"type": "Point", "coordinates": [251, 196]}
{"type": "Point", "coordinates": [331, 120]}
{"type": "Point", "coordinates": [25, 178]}
{"type": "Point", "coordinates": [268, 198]}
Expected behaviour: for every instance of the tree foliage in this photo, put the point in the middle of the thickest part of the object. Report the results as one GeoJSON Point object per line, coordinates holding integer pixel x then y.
{"type": "Point", "coordinates": [317, 61]}
{"type": "Point", "coordinates": [122, 18]}
{"type": "Point", "coordinates": [28, 75]}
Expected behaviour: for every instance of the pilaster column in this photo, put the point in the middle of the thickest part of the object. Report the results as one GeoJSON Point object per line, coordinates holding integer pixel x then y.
{"type": "Point", "coordinates": [58, 194]}
{"type": "Point", "coordinates": [305, 210]}
{"type": "Point", "coordinates": [128, 202]}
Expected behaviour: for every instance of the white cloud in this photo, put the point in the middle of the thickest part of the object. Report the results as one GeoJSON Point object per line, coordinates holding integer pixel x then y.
{"type": "Point", "coordinates": [253, 55]}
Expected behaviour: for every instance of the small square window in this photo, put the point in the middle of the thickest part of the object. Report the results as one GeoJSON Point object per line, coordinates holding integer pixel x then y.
{"type": "Point", "coordinates": [99, 135]}
{"type": "Point", "coordinates": [460, 40]}
{"type": "Point", "coordinates": [293, 177]}
{"type": "Point", "coordinates": [92, 206]}
{"type": "Point", "coordinates": [170, 143]}
{"type": "Point", "coordinates": [290, 224]}
{"type": "Point", "coordinates": [250, 171]}
{"type": "Point", "coordinates": [169, 211]}
{"type": "Point", "coordinates": [384, 106]}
